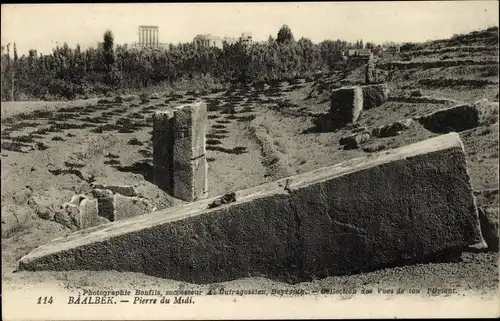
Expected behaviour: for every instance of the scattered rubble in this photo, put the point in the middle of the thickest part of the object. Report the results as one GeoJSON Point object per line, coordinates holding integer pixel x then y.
{"type": "Point", "coordinates": [225, 199]}
{"type": "Point", "coordinates": [393, 129]}
{"type": "Point", "coordinates": [373, 75]}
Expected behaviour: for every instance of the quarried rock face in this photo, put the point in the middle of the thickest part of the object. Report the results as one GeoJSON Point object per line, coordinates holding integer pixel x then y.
{"type": "Point", "coordinates": [402, 206]}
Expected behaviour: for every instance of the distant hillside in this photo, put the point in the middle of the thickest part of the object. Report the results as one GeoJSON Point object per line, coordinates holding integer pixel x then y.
{"type": "Point", "coordinates": [475, 39]}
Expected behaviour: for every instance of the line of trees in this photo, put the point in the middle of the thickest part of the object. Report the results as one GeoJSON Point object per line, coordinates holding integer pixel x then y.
{"type": "Point", "coordinates": [70, 73]}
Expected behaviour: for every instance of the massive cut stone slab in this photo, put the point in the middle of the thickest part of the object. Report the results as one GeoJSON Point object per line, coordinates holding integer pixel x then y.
{"type": "Point", "coordinates": [346, 105]}
{"type": "Point", "coordinates": [402, 206]}
{"type": "Point", "coordinates": [163, 144]}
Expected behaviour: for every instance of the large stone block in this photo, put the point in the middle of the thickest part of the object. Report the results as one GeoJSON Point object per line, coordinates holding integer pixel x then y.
{"type": "Point", "coordinates": [191, 179]}
{"type": "Point", "coordinates": [82, 212]}
{"type": "Point", "coordinates": [89, 213]}
{"type": "Point", "coordinates": [126, 207]}
{"type": "Point", "coordinates": [105, 203]}
{"type": "Point", "coordinates": [453, 119]}
{"type": "Point", "coordinates": [374, 95]}
{"type": "Point", "coordinates": [190, 127]}
{"type": "Point", "coordinates": [126, 190]}
{"type": "Point", "coordinates": [461, 117]}
{"type": "Point", "coordinates": [346, 105]}
{"type": "Point", "coordinates": [403, 206]}
{"type": "Point", "coordinates": [163, 144]}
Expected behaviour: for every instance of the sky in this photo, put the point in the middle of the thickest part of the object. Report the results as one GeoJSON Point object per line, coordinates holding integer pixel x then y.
{"type": "Point", "coordinates": [42, 26]}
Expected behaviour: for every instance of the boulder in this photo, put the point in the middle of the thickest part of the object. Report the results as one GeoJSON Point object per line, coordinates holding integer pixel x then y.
{"type": "Point", "coordinates": [373, 75]}
{"type": "Point", "coordinates": [15, 217]}
{"type": "Point", "coordinates": [76, 199]}
{"type": "Point", "coordinates": [22, 196]}
{"type": "Point", "coordinates": [354, 141]}
{"type": "Point", "coordinates": [488, 111]}
{"type": "Point", "coordinates": [45, 213]}
{"type": "Point", "coordinates": [62, 217]}
{"type": "Point", "coordinates": [189, 159]}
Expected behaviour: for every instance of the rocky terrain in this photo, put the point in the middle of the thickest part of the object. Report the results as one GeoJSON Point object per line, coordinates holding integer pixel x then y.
{"type": "Point", "coordinates": [51, 152]}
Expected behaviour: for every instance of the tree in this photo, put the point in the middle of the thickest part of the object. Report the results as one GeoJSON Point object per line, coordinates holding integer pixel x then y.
{"type": "Point", "coordinates": [109, 55]}
{"type": "Point", "coordinates": [284, 35]}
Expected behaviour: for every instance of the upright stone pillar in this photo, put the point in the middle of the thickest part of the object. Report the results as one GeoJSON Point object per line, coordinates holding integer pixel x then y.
{"type": "Point", "coordinates": [190, 163]}
{"type": "Point", "coordinates": [163, 143]}
{"type": "Point", "coordinates": [180, 165]}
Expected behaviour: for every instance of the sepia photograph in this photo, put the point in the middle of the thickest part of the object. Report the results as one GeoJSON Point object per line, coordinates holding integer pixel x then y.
{"type": "Point", "coordinates": [249, 160]}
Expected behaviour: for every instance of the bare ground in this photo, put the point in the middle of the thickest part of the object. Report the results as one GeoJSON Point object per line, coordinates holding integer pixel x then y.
{"type": "Point", "coordinates": [266, 132]}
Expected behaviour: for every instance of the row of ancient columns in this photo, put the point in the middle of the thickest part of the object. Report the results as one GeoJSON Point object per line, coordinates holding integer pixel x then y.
{"type": "Point", "coordinates": [148, 37]}
{"type": "Point", "coordinates": [179, 148]}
